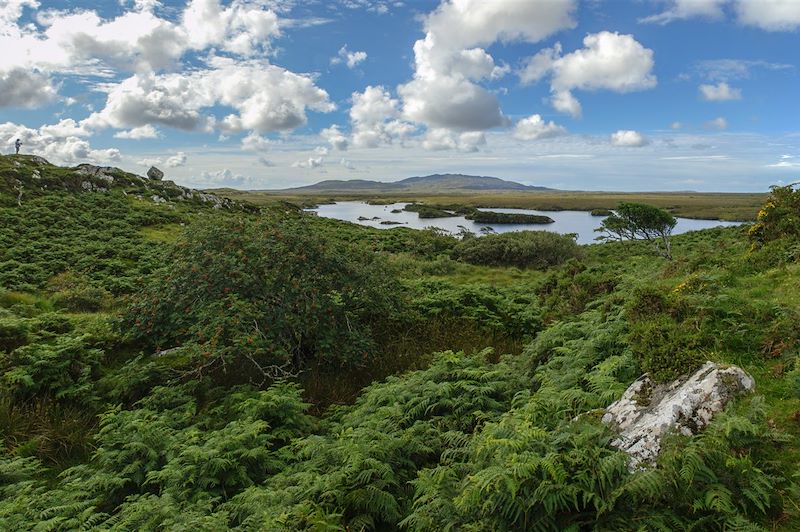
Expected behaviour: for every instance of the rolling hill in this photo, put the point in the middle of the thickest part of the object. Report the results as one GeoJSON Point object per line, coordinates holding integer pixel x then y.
{"type": "Point", "coordinates": [419, 184]}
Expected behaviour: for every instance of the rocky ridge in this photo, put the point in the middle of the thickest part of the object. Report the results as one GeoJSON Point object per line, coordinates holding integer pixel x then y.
{"type": "Point", "coordinates": [30, 175]}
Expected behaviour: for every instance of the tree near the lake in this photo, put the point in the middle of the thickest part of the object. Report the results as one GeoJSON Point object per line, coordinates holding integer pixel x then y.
{"type": "Point", "coordinates": [639, 221]}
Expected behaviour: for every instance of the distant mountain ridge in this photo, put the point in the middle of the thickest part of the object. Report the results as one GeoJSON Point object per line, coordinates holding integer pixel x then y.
{"type": "Point", "coordinates": [428, 183]}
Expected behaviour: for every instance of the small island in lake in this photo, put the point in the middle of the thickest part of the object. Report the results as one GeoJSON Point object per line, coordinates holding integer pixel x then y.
{"type": "Point", "coordinates": [491, 217]}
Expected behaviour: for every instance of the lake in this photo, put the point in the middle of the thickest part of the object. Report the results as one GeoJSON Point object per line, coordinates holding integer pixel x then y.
{"type": "Point", "coordinates": [580, 222]}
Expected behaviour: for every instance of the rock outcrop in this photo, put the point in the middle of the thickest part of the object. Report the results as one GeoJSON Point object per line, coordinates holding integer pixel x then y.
{"type": "Point", "coordinates": [155, 174]}
{"type": "Point", "coordinates": [647, 412]}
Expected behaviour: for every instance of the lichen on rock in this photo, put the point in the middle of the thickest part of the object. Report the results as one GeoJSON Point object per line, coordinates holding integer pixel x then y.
{"type": "Point", "coordinates": [647, 412]}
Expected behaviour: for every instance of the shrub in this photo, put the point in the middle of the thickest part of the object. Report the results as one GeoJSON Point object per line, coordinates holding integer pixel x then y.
{"type": "Point", "coordinates": [265, 297]}
{"type": "Point", "coordinates": [524, 249]}
{"type": "Point", "coordinates": [779, 217]}
{"type": "Point", "coordinates": [664, 348]}
{"type": "Point", "coordinates": [13, 333]}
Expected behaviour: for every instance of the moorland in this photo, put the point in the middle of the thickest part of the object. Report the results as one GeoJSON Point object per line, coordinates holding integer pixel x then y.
{"type": "Point", "coordinates": [170, 360]}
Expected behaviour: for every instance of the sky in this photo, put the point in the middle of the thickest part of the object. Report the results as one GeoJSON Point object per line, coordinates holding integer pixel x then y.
{"type": "Point", "coordinates": [262, 94]}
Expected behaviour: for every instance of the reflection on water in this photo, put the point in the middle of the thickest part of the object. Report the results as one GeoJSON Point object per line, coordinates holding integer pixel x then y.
{"type": "Point", "coordinates": [580, 222]}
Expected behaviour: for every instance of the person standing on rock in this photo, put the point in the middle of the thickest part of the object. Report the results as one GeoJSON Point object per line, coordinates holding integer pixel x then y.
{"type": "Point", "coordinates": [17, 145]}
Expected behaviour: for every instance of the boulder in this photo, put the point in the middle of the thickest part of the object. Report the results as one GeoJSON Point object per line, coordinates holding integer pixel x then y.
{"type": "Point", "coordinates": [647, 411]}
{"type": "Point", "coordinates": [155, 174]}
{"type": "Point", "coordinates": [104, 173]}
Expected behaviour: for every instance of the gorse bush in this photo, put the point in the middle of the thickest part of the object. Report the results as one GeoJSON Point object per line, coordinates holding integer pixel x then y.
{"type": "Point", "coordinates": [265, 298]}
{"type": "Point", "coordinates": [524, 249]}
{"type": "Point", "coordinates": [779, 217]}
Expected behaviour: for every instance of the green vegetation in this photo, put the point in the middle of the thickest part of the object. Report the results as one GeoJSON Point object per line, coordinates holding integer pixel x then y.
{"type": "Point", "coordinates": [601, 212]}
{"type": "Point", "coordinates": [710, 205]}
{"type": "Point", "coordinates": [176, 366]}
{"type": "Point", "coordinates": [523, 249]}
{"type": "Point", "coordinates": [634, 221]}
{"type": "Point", "coordinates": [490, 217]}
{"type": "Point", "coordinates": [430, 211]}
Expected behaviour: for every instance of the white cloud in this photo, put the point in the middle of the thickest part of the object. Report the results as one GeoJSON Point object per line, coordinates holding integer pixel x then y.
{"type": "Point", "coordinates": [142, 132]}
{"type": "Point", "coordinates": [223, 178]}
{"type": "Point", "coordinates": [629, 138]}
{"type": "Point", "coordinates": [717, 123]}
{"type": "Point", "coordinates": [59, 143]}
{"type": "Point", "coordinates": [266, 98]}
{"type": "Point", "coordinates": [257, 143]}
{"type": "Point", "coordinates": [82, 42]}
{"type": "Point", "coordinates": [351, 59]}
{"type": "Point", "coordinates": [534, 128]}
{"type": "Point", "coordinates": [608, 61]}
{"type": "Point", "coordinates": [347, 164]}
{"type": "Point", "coordinates": [374, 116]}
{"type": "Point", "coordinates": [675, 125]}
{"type": "Point", "coordinates": [683, 9]}
{"type": "Point", "coordinates": [785, 162]}
{"type": "Point", "coordinates": [732, 69]}
{"type": "Point", "coordinates": [311, 162]}
{"type": "Point", "coordinates": [720, 92]}
{"type": "Point", "coordinates": [244, 28]}
{"type": "Point", "coordinates": [439, 139]}
{"type": "Point", "coordinates": [179, 159]}
{"type": "Point", "coordinates": [449, 62]}
{"type": "Point", "coordinates": [770, 15]}
{"type": "Point", "coordinates": [335, 137]}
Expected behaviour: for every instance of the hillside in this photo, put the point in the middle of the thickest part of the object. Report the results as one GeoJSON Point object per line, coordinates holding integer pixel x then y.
{"type": "Point", "coordinates": [416, 185]}
{"type": "Point", "coordinates": [27, 176]}
{"type": "Point", "coordinates": [169, 365]}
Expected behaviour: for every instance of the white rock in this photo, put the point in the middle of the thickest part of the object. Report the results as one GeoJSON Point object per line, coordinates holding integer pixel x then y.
{"type": "Point", "coordinates": [646, 413]}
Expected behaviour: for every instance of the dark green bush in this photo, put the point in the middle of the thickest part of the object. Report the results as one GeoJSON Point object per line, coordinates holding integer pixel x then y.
{"type": "Point", "coordinates": [264, 298]}
{"type": "Point", "coordinates": [13, 333]}
{"type": "Point", "coordinates": [524, 249]}
{"type": "Point", "coordinates": [664, 348]}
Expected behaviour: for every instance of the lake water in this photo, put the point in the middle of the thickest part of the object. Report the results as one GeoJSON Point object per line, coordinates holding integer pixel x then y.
{"type": "Point", "coordinates": [580, 222]}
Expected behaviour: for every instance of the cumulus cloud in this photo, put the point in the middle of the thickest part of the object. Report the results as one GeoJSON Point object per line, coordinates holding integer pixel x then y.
{"type": "Point", "coordinates": [374, 118]}
{"type": "Point", "coordinates": [223, 178]}
{"type": "Point", "coordinates": [311, 162]}
{"type": "Point", "coordinates": [143, 132]}
{"type": "Point", "coordinates": [717, 123]}
{"type": "Point", "coordinates": [257, 143]}
{"type": "Point", "coordinates": [534, 128]}
{"type": "Point", "coordinates": [23, 88]}
{"type": "Point", "coordinates": [59, 143]}
{"type": "Point", "coordinates": [449, 62]}
{"type": "Point", "coordinates": [720, 92]}
{"type": "Point", "coordinates": [439, 139]}
{"type": "Point", "coordinates": [351, 59]}
{"type": "Point", "coordinates": [179, 159]}
{"type": "Point", "coordinates": [629, 138]}
{"type": "Point", "coordinates": [266, 98]}
{"type": "Point", "coordinates": [83, 42]}
{"type": "Point", "coordinates": [608, 61]}
{"type": "Point", "coordinates": [335, 137]}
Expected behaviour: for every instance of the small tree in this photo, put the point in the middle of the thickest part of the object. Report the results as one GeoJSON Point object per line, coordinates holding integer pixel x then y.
{"type": "Point", "coordinates": [638, 221]}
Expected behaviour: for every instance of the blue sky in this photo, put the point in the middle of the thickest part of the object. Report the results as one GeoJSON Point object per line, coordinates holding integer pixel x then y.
{"type": "Point", "coordinates": [574, 94]}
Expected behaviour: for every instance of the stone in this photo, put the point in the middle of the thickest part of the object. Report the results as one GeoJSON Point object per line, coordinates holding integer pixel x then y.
{"type": "Point", "coordinates": [158, 199]}
{"type": "Point", "coordinates": [155, 174]}
{"type": "Point", "coordinates": [647, 412]}
{"type": "Point", "coordinates": [103, 173]}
